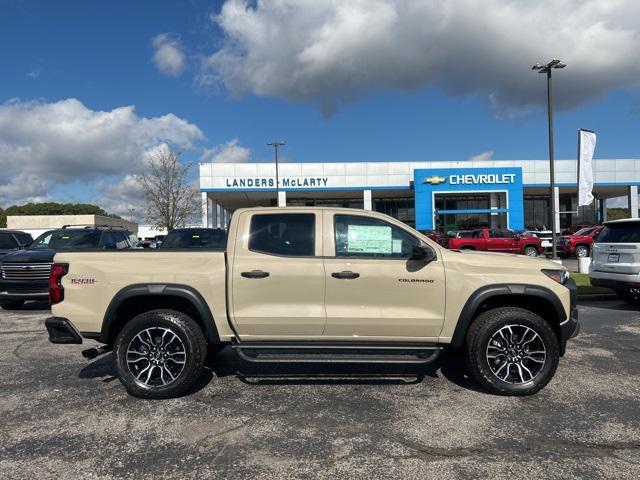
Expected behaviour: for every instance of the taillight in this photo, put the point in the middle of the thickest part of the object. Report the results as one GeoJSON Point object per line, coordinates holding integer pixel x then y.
{"type": "Point", "coordinates": [56, 292]}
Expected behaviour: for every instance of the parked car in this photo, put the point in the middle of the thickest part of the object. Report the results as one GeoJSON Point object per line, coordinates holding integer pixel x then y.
{"type": "Point", "coordinates": [579, 244]}
{"type": "Point", "coordinates": [616, 259]}
{"type": "Point", "coordinates": [493, 240]}
{"type": "Point", "coordinates": [214, 238]}
{"type": "Point", "coordinates": [315, 284]}
{"type": "Point", "coordinates": [11, 240]}
{"type": "Point", "coordinates": [575, 228]}
{"type": "Point", "coordinates": [24, 274]}
{"type": "Point", "coordinates": [545, 237]}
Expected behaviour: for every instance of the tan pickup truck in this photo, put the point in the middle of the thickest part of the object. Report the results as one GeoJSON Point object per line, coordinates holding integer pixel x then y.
{"type": "Point", "coordinates": [315, 285]}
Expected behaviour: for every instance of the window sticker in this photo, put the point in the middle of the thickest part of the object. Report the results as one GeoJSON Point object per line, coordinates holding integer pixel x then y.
{"type": "Point", "coordinates": [369, 239]}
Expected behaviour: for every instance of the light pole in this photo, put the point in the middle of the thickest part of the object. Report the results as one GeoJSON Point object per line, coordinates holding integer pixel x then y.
{"type": "Point", "coordinates": [555, 63]}
{"type": "Point", "coordinates": [276, 144]}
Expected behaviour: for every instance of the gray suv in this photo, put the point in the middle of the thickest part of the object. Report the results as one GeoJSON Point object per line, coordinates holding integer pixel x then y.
{"type": "Point", "coordinates": [616, 259]}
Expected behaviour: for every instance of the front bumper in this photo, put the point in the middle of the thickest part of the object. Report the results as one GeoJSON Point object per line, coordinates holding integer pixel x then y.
{"type": "Point", "coordinates": [24, 290]}
{"type": "Point", "coordinates": [571, 327]}
{"type": "Point", "coordinates": [61, 330]}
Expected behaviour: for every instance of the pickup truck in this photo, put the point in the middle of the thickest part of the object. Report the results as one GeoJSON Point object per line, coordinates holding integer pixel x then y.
{"type": "Point", "coordinates": [578, 244]}
{"type": "Point", "coordinates": [493, 240]}
{"type": "Point", "coordinates": [311, 284]}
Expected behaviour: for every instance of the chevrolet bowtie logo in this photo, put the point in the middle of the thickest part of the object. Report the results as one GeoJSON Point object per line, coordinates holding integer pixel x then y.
{"type": "Point", "coordinates": [435, 180]}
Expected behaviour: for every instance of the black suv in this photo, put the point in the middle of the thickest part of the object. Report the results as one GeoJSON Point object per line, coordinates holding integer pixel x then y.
{"type": "Point", "coordinates": [11, 240]}
{"type": "Point", "coordinates": [24, 274]}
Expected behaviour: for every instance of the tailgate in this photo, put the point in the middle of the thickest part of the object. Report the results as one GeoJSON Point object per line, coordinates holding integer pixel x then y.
{"type": "Point", "coordinates": [616, 258]}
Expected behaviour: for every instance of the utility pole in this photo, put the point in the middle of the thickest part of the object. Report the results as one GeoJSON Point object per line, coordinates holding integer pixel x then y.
{"type": "Point", "coordinates": [276, 144]}
{"type": "Point", "coordinates": [555, 63]}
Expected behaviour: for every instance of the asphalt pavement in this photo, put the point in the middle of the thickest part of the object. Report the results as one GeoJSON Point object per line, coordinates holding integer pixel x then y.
{"type": "Point", "coordinates": [65, 417]}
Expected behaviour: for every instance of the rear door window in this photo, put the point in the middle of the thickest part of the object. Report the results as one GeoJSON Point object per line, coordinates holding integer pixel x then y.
{"type": "Point", "coordinates": [287, 234]}
{"type": "Point", "coordinates": [627, 232]}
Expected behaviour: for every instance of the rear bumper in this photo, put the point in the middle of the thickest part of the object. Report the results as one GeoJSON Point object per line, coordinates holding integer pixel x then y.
{"type": "Point", "coordinates": [61, 330]}
{"type": "Point", "coordinates": [621, 285]}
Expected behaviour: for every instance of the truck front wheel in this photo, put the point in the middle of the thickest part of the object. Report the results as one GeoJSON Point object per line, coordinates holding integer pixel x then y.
{"type": "Point", "coordinates": [159, 354]}
{"type": "Point", "coordinates": [512, 351]}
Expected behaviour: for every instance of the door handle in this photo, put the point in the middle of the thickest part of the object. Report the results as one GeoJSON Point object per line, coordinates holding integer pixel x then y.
{"type": "Point", "coordinates": [346, 274]}
{"type": "Point", "coordinates": [255, 274]}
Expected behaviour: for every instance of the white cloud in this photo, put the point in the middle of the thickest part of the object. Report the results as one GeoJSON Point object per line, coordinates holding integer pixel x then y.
{"type": "Point", "coordinates": [230, 152]}
{"type": "Point", "coordinates": [124, 197]}
{"type": "Point", "coordinates": [168, 56]}
{"type": "Point", "coordinates": [482, 157]}
{"type": "Point", "coordinates": [46, 145]}
{"type": "Point", "coordinates": [332, 52]}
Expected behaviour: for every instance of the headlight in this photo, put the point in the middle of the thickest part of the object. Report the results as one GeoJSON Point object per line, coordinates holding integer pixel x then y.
{"type": "Point", "coordinates": [560, 276]}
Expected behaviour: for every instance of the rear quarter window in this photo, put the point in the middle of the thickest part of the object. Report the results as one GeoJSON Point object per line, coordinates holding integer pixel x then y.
{"type": "Point", "coordinates": [621, 233]}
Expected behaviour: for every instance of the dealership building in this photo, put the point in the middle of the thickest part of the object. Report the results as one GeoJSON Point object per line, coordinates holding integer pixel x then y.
{"type": "Point", "coordinates": [429, 195]}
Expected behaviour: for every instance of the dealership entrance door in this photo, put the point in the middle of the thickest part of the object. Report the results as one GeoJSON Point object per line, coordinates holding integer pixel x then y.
{"type": "Point", "coordinates": [469, 211]}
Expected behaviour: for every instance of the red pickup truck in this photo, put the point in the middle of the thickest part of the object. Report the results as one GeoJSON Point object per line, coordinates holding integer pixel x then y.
{"type": "Point", "coordinates": [491, 240]}
{"type": "Point", "coordinates": [578, 244]}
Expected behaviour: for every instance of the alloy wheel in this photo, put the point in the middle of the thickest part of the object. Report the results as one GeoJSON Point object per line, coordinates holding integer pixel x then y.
{"type": "Point", "coordinates": [516, 354]}
{"type": "Point", "coordinates": [156, 357]}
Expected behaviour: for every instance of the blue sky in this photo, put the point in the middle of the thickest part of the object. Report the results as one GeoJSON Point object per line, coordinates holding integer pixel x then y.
{"type": "Point", "coordinates": [101, 54]}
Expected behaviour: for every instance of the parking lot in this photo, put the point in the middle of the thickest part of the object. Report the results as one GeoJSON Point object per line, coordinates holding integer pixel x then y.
{"type": "Point", "coordinates": [63, 416]}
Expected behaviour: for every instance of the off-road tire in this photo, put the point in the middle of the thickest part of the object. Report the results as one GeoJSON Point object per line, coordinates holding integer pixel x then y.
{"type": "Point", "coordinates": [13, 305]}
{"type": "Point", "coordinates": [479, 335]}
{"type": "Point", "coordinates": [530, 251]}
{"type": "Point", "coordinates": [582, 251]}
{"type": "Point", "coordinates": [188, 332]}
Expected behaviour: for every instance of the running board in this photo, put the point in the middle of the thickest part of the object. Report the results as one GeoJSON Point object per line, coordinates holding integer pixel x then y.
{"type": "Point", "coordinates": [345, 352]}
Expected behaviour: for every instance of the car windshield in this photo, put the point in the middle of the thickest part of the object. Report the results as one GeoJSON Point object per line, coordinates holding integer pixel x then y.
{"type": "Point", "coordinates": [67, 240]}
{"type": "Point", "coordinates": [195, 238]}
{"type": "Point", "coordinates": [627, 232]}
{"type": "Point", "coordinates": [584, 231]}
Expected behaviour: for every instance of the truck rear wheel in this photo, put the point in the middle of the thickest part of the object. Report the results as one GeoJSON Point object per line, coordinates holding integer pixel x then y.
{"type": "Point", "coordinates": [159, 354]}
{"type": "Point", "coordinates": [512, 351]}
{"type": "Point", "coordinates": [530, 251]}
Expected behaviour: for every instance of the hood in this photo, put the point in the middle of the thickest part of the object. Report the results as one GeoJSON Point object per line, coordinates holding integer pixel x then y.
{"type": "Point", "coordinates": [29, 256]}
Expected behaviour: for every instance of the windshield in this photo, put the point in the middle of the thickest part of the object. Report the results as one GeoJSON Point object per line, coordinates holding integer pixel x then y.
{"type": "Point", "coordinates": [24, 238]}
{"type": "Point", "coordinates": [195, 238]}
{"type": "Point", "coordinates": [628, 232]}
{"type": "Point", "coordinates": [584, 231]}
{"type": "Point", "coordinates": [67, 240]}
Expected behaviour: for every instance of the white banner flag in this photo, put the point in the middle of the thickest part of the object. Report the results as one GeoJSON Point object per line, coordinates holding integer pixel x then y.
{"type": "Point", "coordinates": [586, 147]}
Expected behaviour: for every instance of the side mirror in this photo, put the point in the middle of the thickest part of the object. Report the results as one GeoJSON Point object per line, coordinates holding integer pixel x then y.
{"type": "Point", "coordinates": [422, 253]}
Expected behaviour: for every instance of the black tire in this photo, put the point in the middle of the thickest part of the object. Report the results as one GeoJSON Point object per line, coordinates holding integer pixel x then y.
{"type": "Point", "coordinates": [488, 324]}
{"type": "Point", "coordinates": [628, 296]}
{"type": "Point", "coordinates": [582, 251]}
{"type": "Point", "coordinates": [13, 305]}
{"type": "Point", "coordinates": [190, 340]}
{"type": "Point", "coordinates": [530, 251]}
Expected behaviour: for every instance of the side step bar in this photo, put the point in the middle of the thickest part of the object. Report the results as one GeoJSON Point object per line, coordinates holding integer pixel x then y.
{"type": "Point", "coordinates": [345, 352]}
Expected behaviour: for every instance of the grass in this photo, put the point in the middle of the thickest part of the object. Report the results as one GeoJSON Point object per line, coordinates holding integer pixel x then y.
{"type": "Point", "coordinates": [584, 285]}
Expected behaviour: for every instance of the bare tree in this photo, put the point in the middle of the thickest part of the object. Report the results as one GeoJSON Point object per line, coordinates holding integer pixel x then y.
{"type": "Point", "coordinates": [171, 199]}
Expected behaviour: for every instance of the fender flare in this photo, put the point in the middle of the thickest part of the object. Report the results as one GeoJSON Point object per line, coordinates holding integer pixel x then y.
{"type": "Point", "coordinates": [483, 294]}
{"type": "Point", "coordinates": [161, 290]}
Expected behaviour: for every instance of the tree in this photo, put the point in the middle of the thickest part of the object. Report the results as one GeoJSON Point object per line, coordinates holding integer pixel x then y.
{"type": "Point", "coordinates": [171, 199]}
